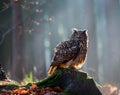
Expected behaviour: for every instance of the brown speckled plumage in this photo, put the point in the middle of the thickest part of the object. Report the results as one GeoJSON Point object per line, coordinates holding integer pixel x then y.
{"type": "Point", "coordinates": [71, 53]}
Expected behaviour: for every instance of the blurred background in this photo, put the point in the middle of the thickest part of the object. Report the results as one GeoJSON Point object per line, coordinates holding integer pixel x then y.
{"type": "Point", "coordinates": [30, 29]}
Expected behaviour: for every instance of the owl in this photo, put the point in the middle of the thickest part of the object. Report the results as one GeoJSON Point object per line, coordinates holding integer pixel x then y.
{"type": "Point", "coordinates": [71, 53]}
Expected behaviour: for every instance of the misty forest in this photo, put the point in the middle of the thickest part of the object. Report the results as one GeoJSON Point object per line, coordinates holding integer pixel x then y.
{"type": "Point", "coordinates": [31, 29]}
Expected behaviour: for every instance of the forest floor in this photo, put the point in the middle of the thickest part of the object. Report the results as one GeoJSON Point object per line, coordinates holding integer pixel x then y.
{"type": "Point", "coordinates": [31, 90]}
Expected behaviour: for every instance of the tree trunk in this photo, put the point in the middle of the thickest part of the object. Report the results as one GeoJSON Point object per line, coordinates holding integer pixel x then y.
{"type": "Point", "coordinates": [112, 17]}
{"type": "Point", "coordinates": [17, 43]}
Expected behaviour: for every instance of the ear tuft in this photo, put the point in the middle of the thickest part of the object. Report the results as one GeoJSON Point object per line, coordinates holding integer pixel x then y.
{"type": "Point", "coordinates": [74, 29]}
{"type": "Point", "coordinates": [85, 32]}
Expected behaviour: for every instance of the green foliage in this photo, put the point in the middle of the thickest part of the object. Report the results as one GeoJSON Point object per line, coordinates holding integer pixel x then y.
{"type": "Point", "coordinates": [28, 78]}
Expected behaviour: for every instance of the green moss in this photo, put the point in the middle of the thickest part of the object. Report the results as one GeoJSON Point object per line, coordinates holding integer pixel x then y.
{"type": "Point", "coordinates": [26, 86]}
{"type": "Point", "coordinates": [9, 86]}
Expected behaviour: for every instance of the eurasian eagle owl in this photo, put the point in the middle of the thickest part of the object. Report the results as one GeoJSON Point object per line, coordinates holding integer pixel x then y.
{"type": "Point", "coordinates": [71, 53]}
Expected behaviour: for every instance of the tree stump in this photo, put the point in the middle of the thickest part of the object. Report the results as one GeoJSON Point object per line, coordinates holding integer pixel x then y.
{"type": "Point", "coordinates": [72, 82]}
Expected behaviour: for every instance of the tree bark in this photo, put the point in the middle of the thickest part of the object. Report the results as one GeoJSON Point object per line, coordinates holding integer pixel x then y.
{"type": "Point", "coordinates": [17, 42]}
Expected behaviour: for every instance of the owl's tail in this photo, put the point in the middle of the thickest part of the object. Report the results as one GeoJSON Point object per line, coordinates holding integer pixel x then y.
{"type": "Point", "coordinates": [52, 69]}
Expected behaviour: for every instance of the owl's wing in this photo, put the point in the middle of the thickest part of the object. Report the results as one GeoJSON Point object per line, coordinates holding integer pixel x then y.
{"type": "Point", "coordinates": [64, 52]}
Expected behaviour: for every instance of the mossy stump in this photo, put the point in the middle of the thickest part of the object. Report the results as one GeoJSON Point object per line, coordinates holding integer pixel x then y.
{"type": "Point", "coordinates": [69, 82]}
{"type": "Point", "coordinates": [72, 82]}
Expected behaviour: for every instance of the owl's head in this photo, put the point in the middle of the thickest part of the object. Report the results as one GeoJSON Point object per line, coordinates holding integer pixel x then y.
{"type": "Point", "coordinates": [79, 34]}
